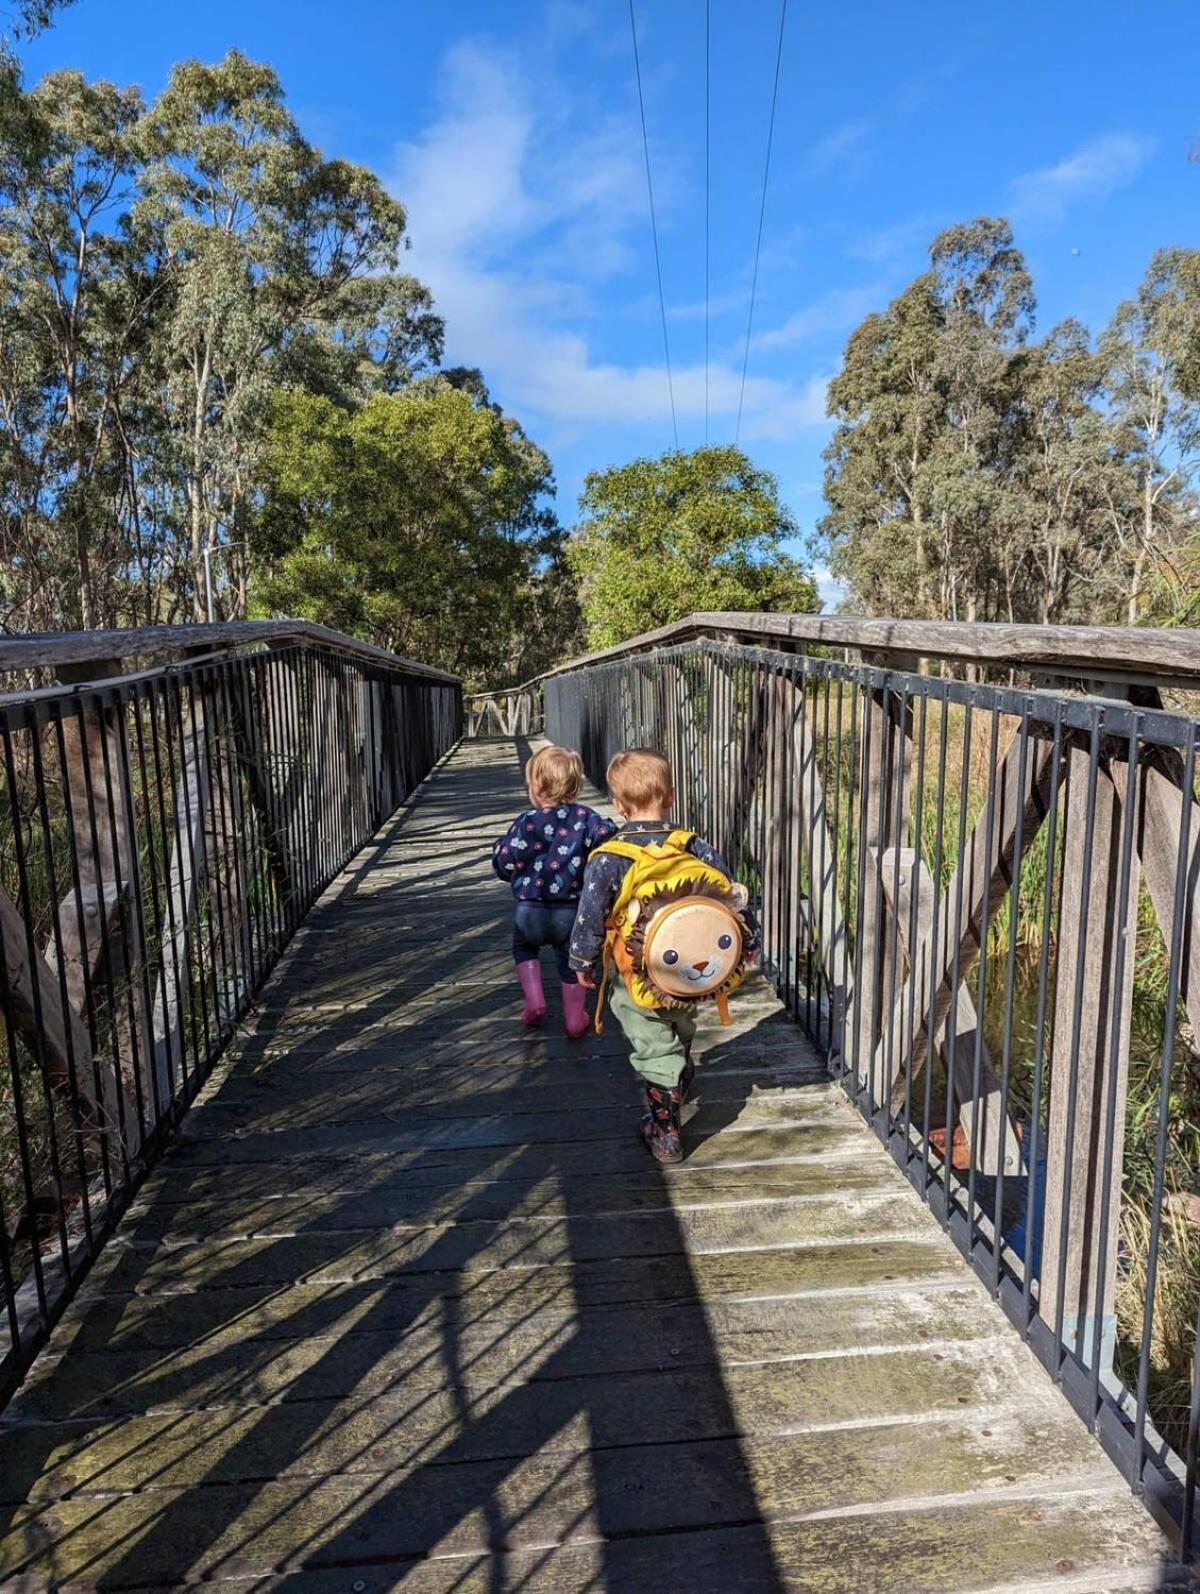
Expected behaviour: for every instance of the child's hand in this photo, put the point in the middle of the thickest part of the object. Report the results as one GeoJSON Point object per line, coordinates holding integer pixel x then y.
{"type": "Point", "coordinates": [586, 978]}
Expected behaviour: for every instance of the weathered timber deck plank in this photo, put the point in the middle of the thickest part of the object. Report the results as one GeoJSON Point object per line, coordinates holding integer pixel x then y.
{"type": "Point", "coordinates": [409, 1306]}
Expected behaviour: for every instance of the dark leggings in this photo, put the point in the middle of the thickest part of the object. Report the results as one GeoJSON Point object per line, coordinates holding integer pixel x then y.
{"type": "Point", "coordinates": [539, 924]}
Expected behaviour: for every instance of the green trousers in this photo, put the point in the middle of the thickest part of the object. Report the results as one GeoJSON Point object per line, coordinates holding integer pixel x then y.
{"type": "Point", "coordinates": [657, 1039]}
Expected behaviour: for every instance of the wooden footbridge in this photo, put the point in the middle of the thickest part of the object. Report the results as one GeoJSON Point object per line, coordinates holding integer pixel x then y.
{"type": "Point", "coordinates": [402, 1302]}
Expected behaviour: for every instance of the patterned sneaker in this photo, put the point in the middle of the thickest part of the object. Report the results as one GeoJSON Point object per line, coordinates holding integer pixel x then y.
{"type": "Point", "coordinates": [660, 1125]}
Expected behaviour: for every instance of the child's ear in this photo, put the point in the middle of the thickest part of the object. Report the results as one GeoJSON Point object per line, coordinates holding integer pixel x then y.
{"type": "Point", "coordinates": [740, 895]}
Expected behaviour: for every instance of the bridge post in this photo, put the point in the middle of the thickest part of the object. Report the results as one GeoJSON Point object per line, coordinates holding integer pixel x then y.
{"type": "Point", "coordinates": [1089, 1062]}
{"type": "Point", "coordinates": [885, 757]}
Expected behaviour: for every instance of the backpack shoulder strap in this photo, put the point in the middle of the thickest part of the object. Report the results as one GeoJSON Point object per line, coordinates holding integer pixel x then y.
{"type": "Point", "coordinates": [681, 839]}
{"type": "Point", "coordinates": [619, 849]}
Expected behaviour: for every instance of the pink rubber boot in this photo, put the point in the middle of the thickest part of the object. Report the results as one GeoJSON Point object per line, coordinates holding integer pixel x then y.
{"type": "Point", "coordinates": [575, 1013]}
{"type": "Point", "coordinates": [530, 976]}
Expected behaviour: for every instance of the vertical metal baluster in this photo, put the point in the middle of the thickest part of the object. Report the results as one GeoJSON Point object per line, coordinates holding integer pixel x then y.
{"type": "Point", "coordinates": [877, 894]}
{"type": "Point", "coordinates": [185, 846]}
{"type": "Point", "coordinates": [137, 904]}
{"type": "Point", "coordinates": [935, 926]}
{"type": "Point", "coordinates": [55, 895]}
{"type": "Point", "coordinates": [834, 761]}
{"type": "Point", "coordinates": [25, 906]}
{"type": "Point", "coordinates": [238, 834]}
{"type": "Point", "coordinates": [860, 1066]}
{"type": "Point", "coordinates": [792, 930]}
{"type": "Point", "coordinates": [106, 950]}
{"type": "Point", "coordinates": [171, 841]}
{"type": "Point", "coordinates": [201, 701]}
{"type": "Point", "coordinates": [847, 845]}
{"type": "Point", "coordinates": [204, 921]}
{"type": "Point", "coordinates": [303, 708]}
{"type": "Point", "coordinates": [825, 869]}
{"type": "Point", "coordinates": [908, 1032]}
{"type": "Point", "coordinates": [989, 819]}
{"type": "Point", "coordinates": [898, 831]}
{"type": "Point", "coordinates": [1033, 1222]}
{"type": "Point", "coordinates": [808, 833]}
{"type": "Point", "coordinates": [1010, 975]}
{"type": "Point", "coordinates": [1089, 834]}
{"type": "Point", "coordinates": [1180, 928]}
{"type": "Point", "coordinates": [964, 790]}
{"type": "Point", "coordinates": [89, 996]}
{"type": "Point", "coordinates": [158, 924]}
{"type": "Point", "coordinates": [287, 744]}
{"type": "Point", "coordinates": [1107, 1150]}
{"type": "Point", "coordinates": [8, 1285]}
{"type": "Point", "coordinates": [17, 1088]}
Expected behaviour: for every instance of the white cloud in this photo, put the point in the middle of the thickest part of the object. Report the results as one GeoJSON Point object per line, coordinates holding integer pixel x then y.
{"type": "Point", "coordinates": [889, 243]}
{"type": "Point", "coordinates": [831, 312]}
{"type": "Point", "coordinates": [843, 146]}
{"type": "Point", "coordinates": [719, 304]}
{"type": "Point", "coordinates": [1094, 171]}
{"type": "Point", "coordinates": [830, 591]}
{"type": "Point", "coordinates": [517, 212]}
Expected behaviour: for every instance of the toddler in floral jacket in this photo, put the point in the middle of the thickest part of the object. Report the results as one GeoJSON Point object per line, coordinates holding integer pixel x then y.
{"type": "Point", "coordinates": [542, 856]}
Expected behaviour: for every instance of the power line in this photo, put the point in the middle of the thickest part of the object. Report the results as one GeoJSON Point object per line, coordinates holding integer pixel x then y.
{"type": "Point", "coordinates": [761, 215]}
{"type": "Point", "coordinates": [707, 197]}
{"type": "Point", "coordinates": [662, 303]}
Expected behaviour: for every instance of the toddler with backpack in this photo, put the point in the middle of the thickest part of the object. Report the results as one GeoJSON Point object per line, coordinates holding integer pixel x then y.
{"type": "Point", "coordinates": [663, 928]}
{"type": "Point", "coordinates": [542, 856]}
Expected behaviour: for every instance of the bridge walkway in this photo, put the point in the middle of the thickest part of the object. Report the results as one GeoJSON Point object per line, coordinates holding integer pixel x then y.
{"type": "Point", "coordinates": [409, 1306]}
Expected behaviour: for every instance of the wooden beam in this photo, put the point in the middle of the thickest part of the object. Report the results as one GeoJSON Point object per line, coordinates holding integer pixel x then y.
{"type": "Point", "coordinates": [987, 1128]}
{"type": "Point", "coordinates": [1096, 957]}
{"type": "Point", "coordinates": [1159, 824]}
{"type": "Point", "coordinates": [53, 1031]}
{"type": "Point", "coordinates": [886, 756]}
{"type": "Point", "coordinates": [1093, 652]}
{"type": "Point", "coordinates": [1018, 803]}
{"type": "Point", "coordinates": [828, 921]}
{"type": "Point", "coordinates": [53, 650]}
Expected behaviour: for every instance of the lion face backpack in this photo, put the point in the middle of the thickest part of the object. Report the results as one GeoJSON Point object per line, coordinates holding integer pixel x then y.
{"type": "Point", "coordinates": [677, 933]}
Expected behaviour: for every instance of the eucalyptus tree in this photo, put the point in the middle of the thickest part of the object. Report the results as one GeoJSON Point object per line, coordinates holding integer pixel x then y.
{"type": "Point", "coordinates": [75, 316]}
{"type": "Point", "coordinates": [659, 538]}
{"type": "Point", "coordinates": [1071, 485]}
{"type": "Point", "coordinates": [986, 305]}
{"type": "Point", "coordinates": [976, 473]}
{"type": "Point", "coordinates": [272, 253]}
{"type": "Point", "coordinates": [417, 520]}
{"type": "Point", "coordinates": [889, 409]}
{"type": "Point", "coordinates": [1150, 353]}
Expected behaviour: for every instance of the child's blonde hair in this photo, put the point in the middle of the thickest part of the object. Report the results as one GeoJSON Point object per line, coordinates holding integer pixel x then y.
{"type": "Point", "coordinates": [555, 773]}
{"type": "Point", "coordinates": [638, 777]}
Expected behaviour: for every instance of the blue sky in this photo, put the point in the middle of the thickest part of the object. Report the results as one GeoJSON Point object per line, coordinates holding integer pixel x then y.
{"type": "Point", "coordinates": [511, 133]}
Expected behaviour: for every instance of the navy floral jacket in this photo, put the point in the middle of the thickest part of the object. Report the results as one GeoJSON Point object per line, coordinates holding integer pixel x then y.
{"type": "Point", "coordinates": [543, 852]}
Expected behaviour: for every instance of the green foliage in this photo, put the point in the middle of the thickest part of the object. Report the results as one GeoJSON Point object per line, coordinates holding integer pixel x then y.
{"type": "Point", "coordinates": [976, 474]}
{"type": "Point", "coordinates": [413, 520]}
{"type": "Point", "coordinates": [205, 339]}
{"type": "Point", "coordinates": [662, 537]}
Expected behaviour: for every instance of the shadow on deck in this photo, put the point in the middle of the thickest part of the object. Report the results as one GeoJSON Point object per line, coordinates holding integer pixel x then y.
{"type": "Point", "coordinates": [409, 1306]}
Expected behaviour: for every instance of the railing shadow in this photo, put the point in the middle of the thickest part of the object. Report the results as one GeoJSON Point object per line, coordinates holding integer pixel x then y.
{"type": "Point", "coordinates": [502, 1368]}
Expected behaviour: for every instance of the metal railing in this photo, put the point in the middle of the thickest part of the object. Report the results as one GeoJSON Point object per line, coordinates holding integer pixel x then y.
{"type": "Point", "coordinates": [162, 834]}
{"type": "Point", "coordinates": [514, 711]}
{"type": "Point", "coordinates": [979, 902]}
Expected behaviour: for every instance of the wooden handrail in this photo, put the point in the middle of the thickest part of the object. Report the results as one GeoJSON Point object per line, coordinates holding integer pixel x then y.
{"type": "Point", "coordinates": [1093, 652]}
{"type": "Point", "coordinates": [55, 650]}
